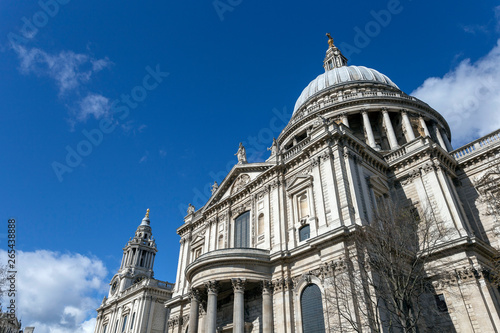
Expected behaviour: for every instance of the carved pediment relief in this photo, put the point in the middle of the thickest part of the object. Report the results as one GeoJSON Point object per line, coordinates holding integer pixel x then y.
{"type": "Point", "coordinates": [240, 183]}
{"type": "Point", "coordinates": [237, 210]}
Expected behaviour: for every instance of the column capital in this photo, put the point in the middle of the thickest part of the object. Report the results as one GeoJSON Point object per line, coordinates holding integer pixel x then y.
{"type": "Point", "coordinates": [194, 295]}
{"type": "Point", "coordinates": [364, 111]}
{"type": "Point", "coordinates": [267, 286]}
{"type": "Point", "coordinates": [238, 284]}
{"type": "Point", "coordinates": [384, 110]}
{"type": "Point", "coordinates": [212, 286]}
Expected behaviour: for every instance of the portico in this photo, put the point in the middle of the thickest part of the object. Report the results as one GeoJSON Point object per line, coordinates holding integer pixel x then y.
{"type": "Point", "coordinates": [229, 276]}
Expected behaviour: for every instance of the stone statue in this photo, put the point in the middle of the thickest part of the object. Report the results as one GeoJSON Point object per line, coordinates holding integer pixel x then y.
{"type": "Point", "coordinates": [274, 147]}
{"type": "Point", "coordinates": [215, 186]}
{"type": "Point", "coordinates": [242, 154]}
{"type": "Point", "coordinates": [190, 209]}
{"type": "Point", "coordinates": [330, 40]}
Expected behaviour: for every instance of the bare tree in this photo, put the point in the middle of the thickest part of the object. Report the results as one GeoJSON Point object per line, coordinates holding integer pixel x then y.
{"type": "Point", "coordinates": [382, 283]}
{"type": "Point", "coordinates": [488, 187]}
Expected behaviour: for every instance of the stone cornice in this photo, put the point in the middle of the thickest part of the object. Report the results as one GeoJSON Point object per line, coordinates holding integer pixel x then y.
{"type": "Point", "coordinates": [416, 154]}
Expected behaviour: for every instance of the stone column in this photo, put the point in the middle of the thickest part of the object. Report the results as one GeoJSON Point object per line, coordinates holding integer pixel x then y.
{"type": "Point", "coordinates": [212, 291]}
{"type": "Point", "coordinates": [368, 129]}
{"type": "Point", "coordinates": [267, 307]}
{"type": "Point", "coordinates": [194, 295]}
{"type": "Point", "coordinates": [407, 125]}
{"type": "Point", "coordinates": [393, 141]}
{"type": "Point", "coordinates": [239, 305]}
{"type": "Point", "coordinates": [440, 137]}
{"type": "Point", "coordinates": [345, 121]}
{"type": "Point", "coordinates": [446, 141]}
{"type": "Point", "coordinates": [424, 126]}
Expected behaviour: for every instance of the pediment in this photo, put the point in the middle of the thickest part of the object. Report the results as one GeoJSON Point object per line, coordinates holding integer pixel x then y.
{"type": "Point", "coordinates": [198, 239]}
{"type": "Point", "coordinates": [298, 182]}
{"type": "Point", "coordinates": [237, 179]}
{"type": "Point", "coordinates": [378, 185]}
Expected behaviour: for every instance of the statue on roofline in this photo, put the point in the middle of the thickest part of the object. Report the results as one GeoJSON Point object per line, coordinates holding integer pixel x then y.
{"type": "Point", "coordinates": [241, 154]}
{"type": "Point", "coordinates": [330, 40]}
{"type": "Point", "coordinates": [215, 186]}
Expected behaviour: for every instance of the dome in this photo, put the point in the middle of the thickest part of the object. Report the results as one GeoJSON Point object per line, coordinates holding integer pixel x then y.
{"type": "Point", "coordinates": [341, 75]}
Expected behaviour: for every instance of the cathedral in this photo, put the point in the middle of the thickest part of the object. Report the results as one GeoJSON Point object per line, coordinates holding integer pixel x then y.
{"type": "Point", "coordinates": [261, 254]}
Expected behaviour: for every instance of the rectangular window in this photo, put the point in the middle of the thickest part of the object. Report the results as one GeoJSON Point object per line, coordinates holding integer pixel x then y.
{"type": "Point", "coordinates": [197, 253]}
{"type": "Point", "coordinates": [441, 303]}
{"type": "Point", "coordinates": [304, 232]}
{"type": "Point", "coordinates": [303, 206]}
{"type": "Point", "coordinates": [124, 323]}
{"type": "Point", "coordinates": [132, 322]}
{"type": "Point", "coordinates": [241, 230]}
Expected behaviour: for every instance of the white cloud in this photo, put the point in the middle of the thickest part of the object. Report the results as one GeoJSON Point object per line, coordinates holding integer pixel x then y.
{"type": "Point", "coordinates": [95, 105]}
{"type": "Point", "coordinates": [59, 292]}
{"type": "Point", "coordinates": [468, 97]}
{"type": "Point", "coordinates": [145, 157]}
{"type": "Point", "coordinates": [68, 69]}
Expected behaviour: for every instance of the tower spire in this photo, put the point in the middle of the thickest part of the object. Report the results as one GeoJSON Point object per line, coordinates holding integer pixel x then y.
{"type": "Point", "coordinates": [139, 253]}
{"type": "Point", "coordinates": [334, 58]}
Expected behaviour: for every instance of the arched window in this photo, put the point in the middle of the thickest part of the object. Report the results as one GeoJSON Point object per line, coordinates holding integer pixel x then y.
{"type": "Point", "coordinates": [304, 232]}
{"type": "Point", "coordinates": [311, 306]}
{"type": "Point", "coordinates": [303, 206]}
{"type": "Point", "coordinates": [260, 225]}
{"type": "Point", "coordinates": [242, 230]}
{"type": "Point", "coordinates": [220, 242]}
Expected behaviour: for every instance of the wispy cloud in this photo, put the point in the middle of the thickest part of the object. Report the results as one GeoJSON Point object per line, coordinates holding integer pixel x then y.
{"type": "Point", "coordinates": [475, 28]}
{"type": "Point", "coordinates": [468, 96]}
{"type": "Point", "coordinates": [93, 105]}
{"type": "Point", "coordinates": [68, 69]}
{"type": "Point", "coordinates": [67, 284]}
{"type": "Point", "coordinates": [145, 157]}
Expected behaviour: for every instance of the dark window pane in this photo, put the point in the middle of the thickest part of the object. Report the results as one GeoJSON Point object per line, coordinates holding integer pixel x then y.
{"type": "Point", "coordinates": [242, 230]}
{"type": "Point", "coordinates": [441, 303]}
{"type": "Point", "coordinates": [304, 232]}
{"type": "Point", "coordinates": [312, 310]}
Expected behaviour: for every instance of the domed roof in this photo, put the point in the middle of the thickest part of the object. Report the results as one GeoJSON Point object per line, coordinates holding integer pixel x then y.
{"type": "Point", "coordinates": [340, 75]}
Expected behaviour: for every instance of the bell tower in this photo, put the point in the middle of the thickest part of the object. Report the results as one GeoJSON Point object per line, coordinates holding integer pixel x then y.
{"type": "Point", "coordinates": [138, 258]}
{"type": "Point", "coordinates": [140, 251]}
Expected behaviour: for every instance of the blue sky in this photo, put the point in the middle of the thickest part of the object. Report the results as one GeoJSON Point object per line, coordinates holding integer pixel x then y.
{"type": "Point", "coordinates": [173, 87]}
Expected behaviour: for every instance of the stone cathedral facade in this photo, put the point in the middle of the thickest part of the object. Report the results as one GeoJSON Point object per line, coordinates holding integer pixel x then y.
{"type": "Point", "coordinates": [256, 256]}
